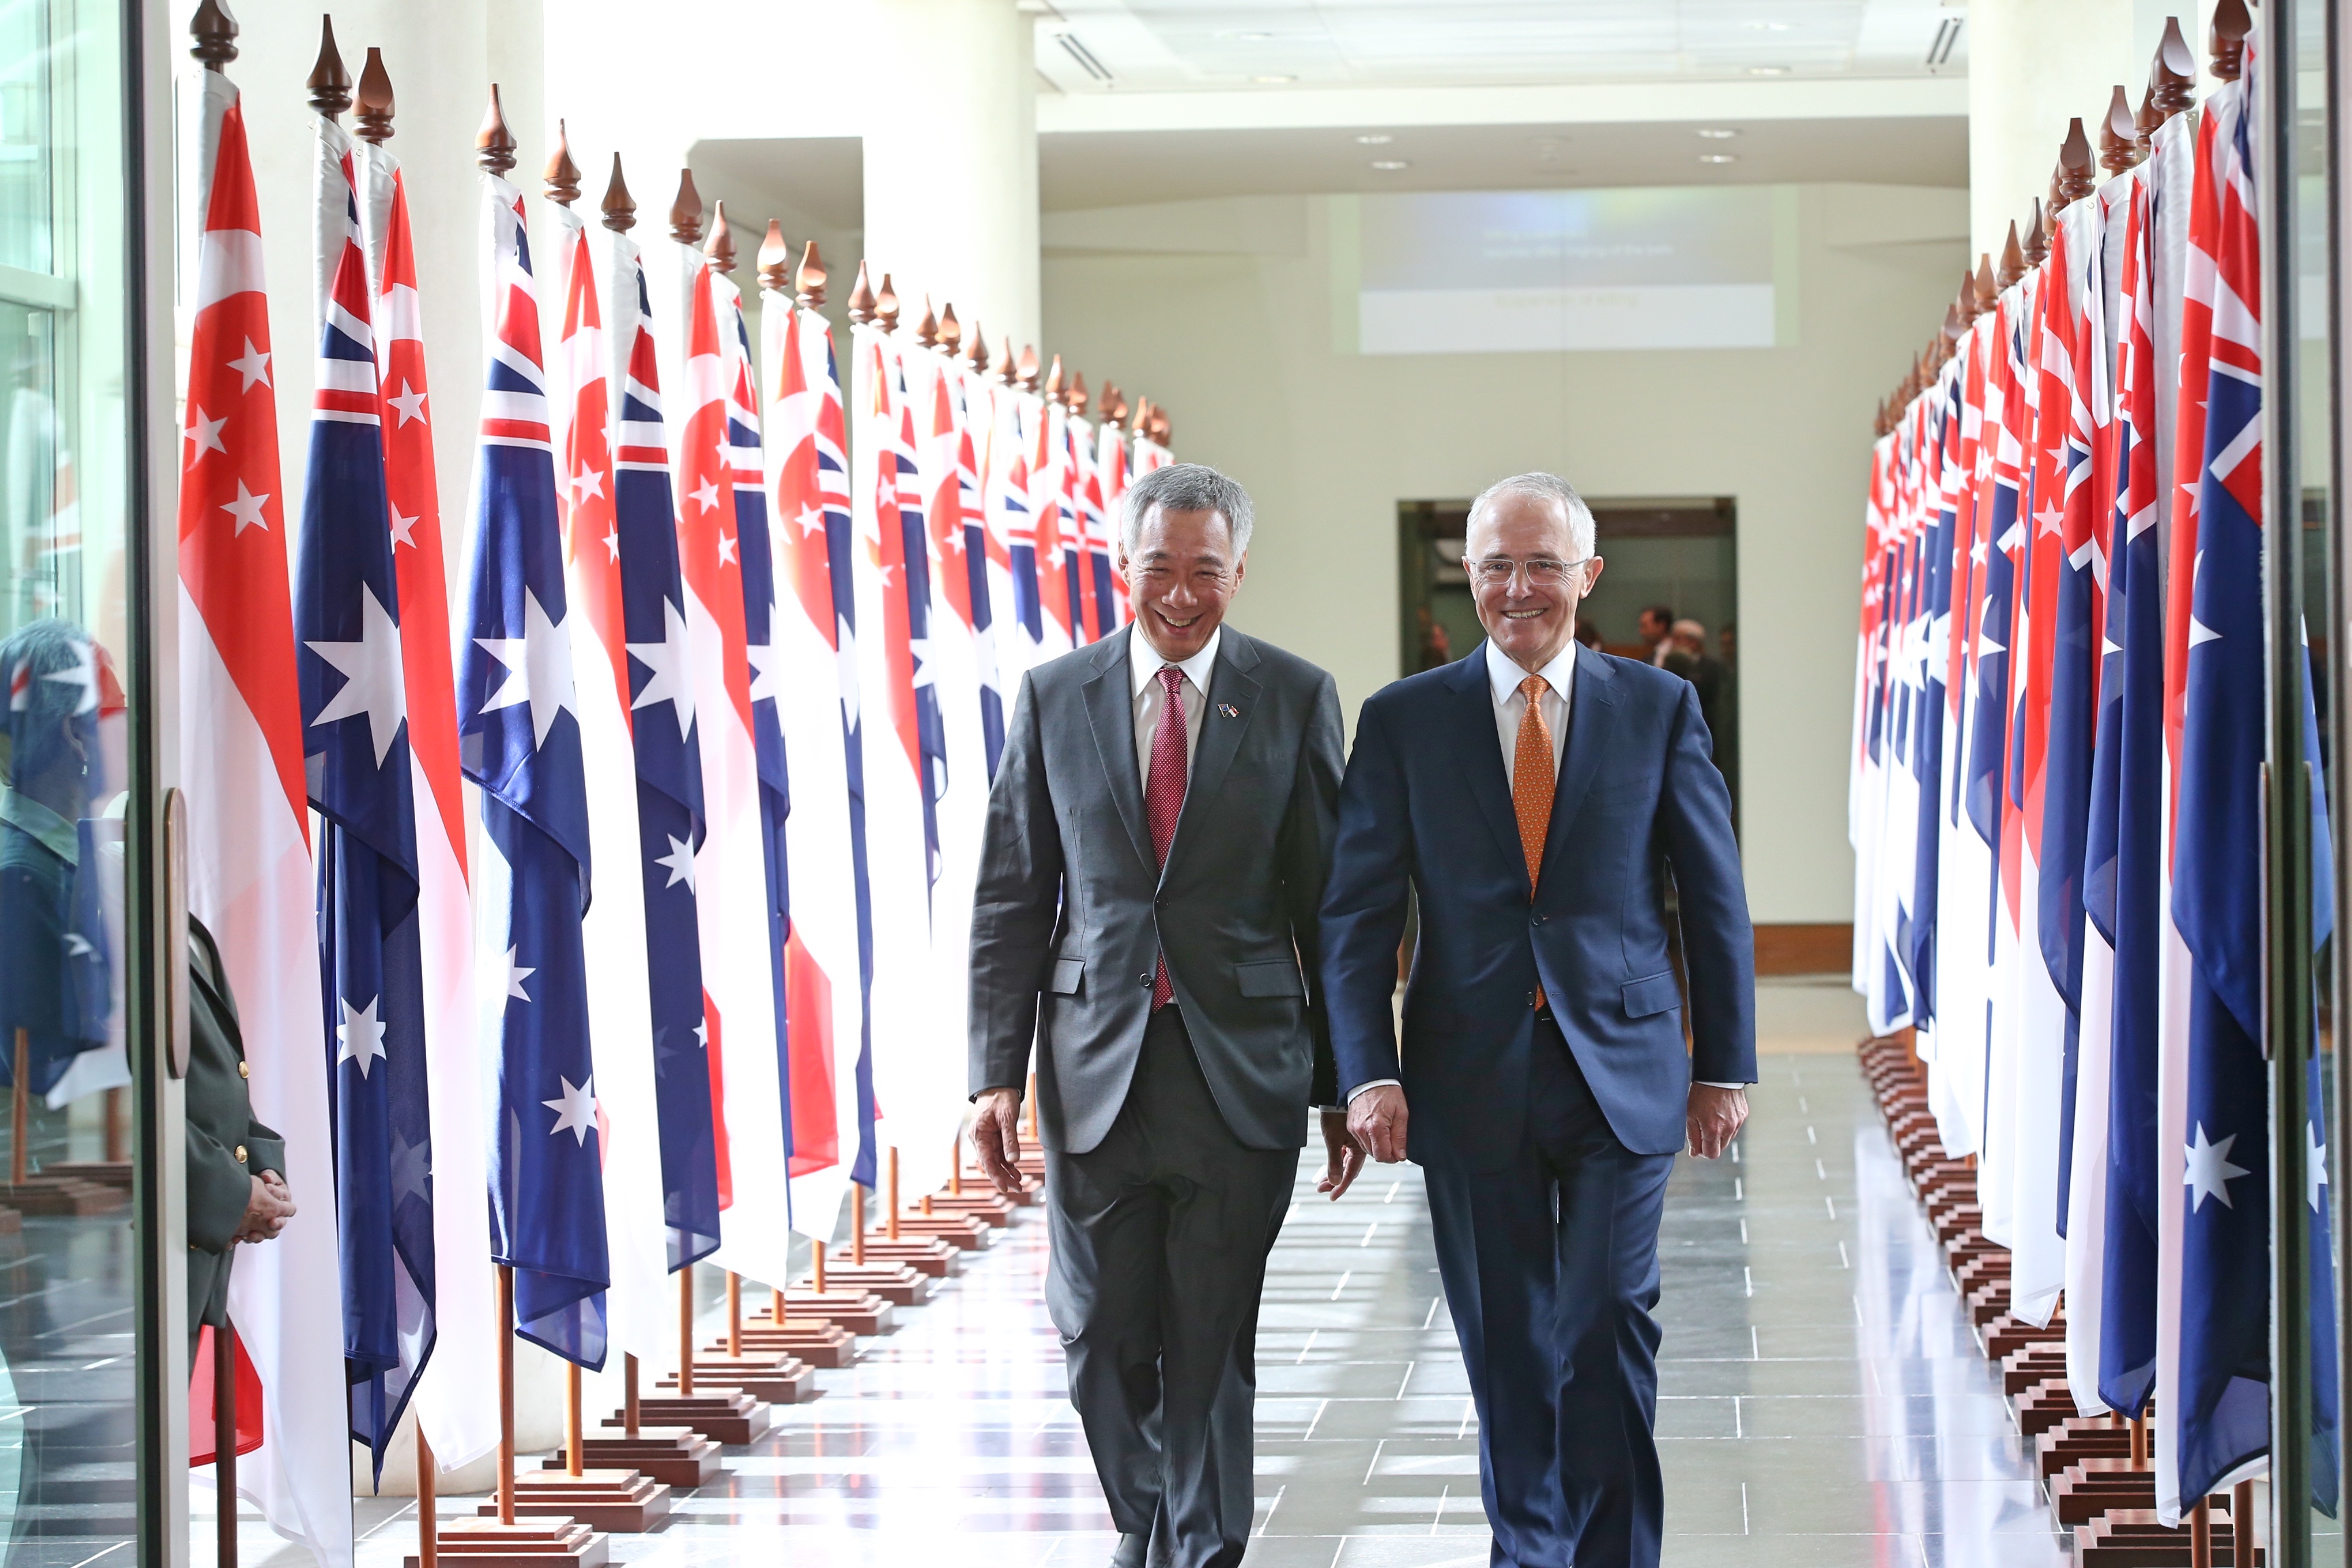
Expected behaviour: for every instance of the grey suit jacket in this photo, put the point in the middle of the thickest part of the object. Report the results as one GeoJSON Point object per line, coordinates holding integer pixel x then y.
{"type": "Point", "coordinates": [1070, 915]}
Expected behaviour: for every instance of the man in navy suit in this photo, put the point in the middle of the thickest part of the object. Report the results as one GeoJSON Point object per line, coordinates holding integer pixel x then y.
{"type": "Point", "coordinates": [1535, 796]}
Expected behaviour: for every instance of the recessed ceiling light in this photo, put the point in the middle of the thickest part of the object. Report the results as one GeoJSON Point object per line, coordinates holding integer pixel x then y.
{"type": "Point", "coordinates": [1374, 139]}
{"type": "Point", "coordinates": [1718, 157]}
{"type": "Point", "coordinates": [1768, 71]}
{"type": "Point", "coordinates": [1718, 132]}
{"type": "Point", "coordinates": [1390, 164]}
{"type": "Point", "coordinates": [1273, 80]}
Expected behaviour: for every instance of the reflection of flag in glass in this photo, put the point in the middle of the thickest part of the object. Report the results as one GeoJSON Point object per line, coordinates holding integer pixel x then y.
{"type": "Point", "coordinates": [250, 878]}
{"type": "Point", "coordinates": [520, 742]}
{"type": "Point", "coordinates": [624, 549]}
{"type": "Point", "coordinates": [465, 1353]}
{"type": "Point", "coordinates": [355, 701]}
{"type": "Point", "coordinates": [2213, 1408]}
{"type": "Point", "coordinates": [826, 1006]}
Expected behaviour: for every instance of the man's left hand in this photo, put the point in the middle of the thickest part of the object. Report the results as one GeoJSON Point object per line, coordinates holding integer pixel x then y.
{"type": "Point", "coordinates": [1344, 1157]}
{"type": "Point", "coordinates": [1715, 1120]}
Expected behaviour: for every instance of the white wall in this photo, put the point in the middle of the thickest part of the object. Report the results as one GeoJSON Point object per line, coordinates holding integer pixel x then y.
{"type": "Point", "coordinates": [1237, 342]}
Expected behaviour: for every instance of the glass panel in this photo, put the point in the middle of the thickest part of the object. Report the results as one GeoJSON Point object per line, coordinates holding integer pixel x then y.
{"type": "Point", "coordinates": [67, 1257]}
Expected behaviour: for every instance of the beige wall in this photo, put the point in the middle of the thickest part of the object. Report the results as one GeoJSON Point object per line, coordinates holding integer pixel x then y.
{"type": "Point", "coordinates": [1223, 310]}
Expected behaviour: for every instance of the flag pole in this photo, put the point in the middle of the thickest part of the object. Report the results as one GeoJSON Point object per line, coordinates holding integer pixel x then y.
{"type": "Point", "coordinates": [857, 1224]}
{"type": "Point", "coordinates": [571, 1455]}
{"type": "Point", "coordinates": [893, 1221]}
{"type": "Point", "coordinates": [685, 1333]}
{"type": "Point", "coordinates": [224, 1410]}
{"type": "Point", "coordinates": [734, 1313]}
{"type": "Point", "coordinates": [428, 1510]}
{"type": "Point", "coordinates": [505, 1394]}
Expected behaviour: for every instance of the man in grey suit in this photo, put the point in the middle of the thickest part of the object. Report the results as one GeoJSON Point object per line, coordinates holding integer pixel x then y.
{"type": "Point", "coordinates": [1157, 841]}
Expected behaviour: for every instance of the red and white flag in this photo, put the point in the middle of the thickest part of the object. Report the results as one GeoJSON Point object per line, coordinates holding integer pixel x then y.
{"type": "Point", "coordinates": [1113, 476]}
{"type": "Point", "coordinates": [250, 876]}
{"type": "Point", "coordinates": [465, 1354]}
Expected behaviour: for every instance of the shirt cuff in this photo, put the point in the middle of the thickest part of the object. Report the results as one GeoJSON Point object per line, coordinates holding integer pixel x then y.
{"type": "Point", "coordinates": [1370, 1083]}
{"type": "Point", "coordinates": [1705, 1083]}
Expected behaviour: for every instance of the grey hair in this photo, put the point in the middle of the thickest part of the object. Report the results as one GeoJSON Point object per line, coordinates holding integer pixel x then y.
{"type": "Point", "coordinates": [1544, 487]}
{"type": "Point", "coordinates": [1687, 627]}
{"type": "Point", "coordinates": [1186, 487]}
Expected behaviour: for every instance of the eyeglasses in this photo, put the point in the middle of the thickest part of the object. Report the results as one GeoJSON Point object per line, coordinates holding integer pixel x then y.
{"type": "Point", "coordinates": [1543, 571]}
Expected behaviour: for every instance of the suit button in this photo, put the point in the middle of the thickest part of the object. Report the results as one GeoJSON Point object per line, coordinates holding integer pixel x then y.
{"type": "Point", "coordinates": [1531, 998]}
{"type": "Point", "coordinates": [240, 1153]}
{"type": "Point", "coordinates": [1147, 980]}
{"type": "Point", "coordinates": [245, 1069]}
{"type": "Point", "coordinates": [1537, 920]}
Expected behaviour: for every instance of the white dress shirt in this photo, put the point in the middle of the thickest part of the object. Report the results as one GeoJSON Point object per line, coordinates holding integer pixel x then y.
{"type": "Point", "coordinates": [1143, 667]}
{"type": "Point", "coordinates": [1503, 677]}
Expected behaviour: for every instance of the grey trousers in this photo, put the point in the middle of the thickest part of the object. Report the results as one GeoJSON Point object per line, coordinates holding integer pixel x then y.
{"type": "Point", "coordinates": [1160, 1237]}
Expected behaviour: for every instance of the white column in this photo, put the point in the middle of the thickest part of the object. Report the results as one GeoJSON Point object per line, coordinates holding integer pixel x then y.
{"type": "Point", "coordinates": [952, 161]}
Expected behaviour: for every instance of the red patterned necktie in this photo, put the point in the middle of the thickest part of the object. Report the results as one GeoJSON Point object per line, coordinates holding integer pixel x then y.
{"type": "Point", "coordinates": [1163, 797]}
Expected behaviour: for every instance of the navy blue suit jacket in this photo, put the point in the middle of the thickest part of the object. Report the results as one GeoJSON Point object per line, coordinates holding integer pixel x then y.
{"type": "Point", "coordinates": [1427, 804]}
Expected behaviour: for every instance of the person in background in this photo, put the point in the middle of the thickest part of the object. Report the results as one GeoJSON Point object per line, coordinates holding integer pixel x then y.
{"type": "Point", "coordinates": [1655, 632]}
{"type": "Point", "coordinates": [237, 1191]}
{"type": "Point", "coordinates": [1691, 660]}
{"type": "Point", "coordinates": [1587, 634]}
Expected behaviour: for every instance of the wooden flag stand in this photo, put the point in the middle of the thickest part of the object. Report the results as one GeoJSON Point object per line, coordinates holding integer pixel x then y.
{"type": "Point", "coordinates": [852, 1309]}
{"type": "Point", "coordinates": [812, 1339]}
{"type": "Point", "coordinates": [925, 1255]}
{"type": "Point", "coordinates": [50, 1192]}
{"type": "Point", "coordinates": [504, 1538]}
{"type": "Point", "coordinates": [680, 1457]}
{"type": "Point", "coordinates": [621, 1500]}
{"type": "Point", "coordinates": [763, 1371]}
{"type": "Point", "coordinates": [721, 1415]}
{"type": "Point", "coordinates": [868, 1270]}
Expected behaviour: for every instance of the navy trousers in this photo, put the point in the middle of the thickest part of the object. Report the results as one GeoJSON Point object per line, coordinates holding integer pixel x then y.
{"type": "Point", "coordinates": [1551, 1264]}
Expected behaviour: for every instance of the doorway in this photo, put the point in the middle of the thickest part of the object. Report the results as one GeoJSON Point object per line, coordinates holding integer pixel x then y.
{"type": "Point", "coordinates": [1679, 554]}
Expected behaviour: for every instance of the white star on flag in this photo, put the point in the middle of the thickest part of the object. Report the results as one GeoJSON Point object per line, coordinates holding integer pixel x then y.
{"type": "Point", "coordinates": [810, 520]}
{"type": "Point", "coordinates": [253, 365]}
{"type": "Point", "coordinates": [2314, 1165]}
{"type": "Point", "coordinates": [2210, 1172]}
{"type": "Point", "coordinates": [516, 974]}
{"type": "Point", "coordinates": [411, 1165]}
{"type": "Point", "coordinates": [767, 671]}
{"type": "Point", "coordinates": [538, 669]}
{"type": "Point", "coordinates": [702, 1034]}
{"type": "Point", "coordinates": [82, 673]}
{"type": "Point", "coordinates": [680, 862]}
{"type": "Point", "coordinates": [586, 483]}
{"type": "Point", "coordinates": [360, 1034]}
{"type": "Point", "coordinates": [247, 508]}
{"type": "Point", "coordinates": [78, 945]}
{"type": "Point", "coordinates": [574, 1108]}
{"type": "Point", "coordinates": [612, 541]}
{"type": "Point", "coordinates": [403, 529]}
{"type": "Point", "coordinates": [671, 673]}
{"type": "Point", "coordinates": [375, 684]}
{"type": "Point", "coordinates": [920, 647]}
{"type": "Point", "coordinates": [411, 403]}
{"type": "Point", "coordinates": [705, 494]}
{"type": "Point", "coordinates": [725, 549]}
{"type": "Point", "coordinates": [206, 434]}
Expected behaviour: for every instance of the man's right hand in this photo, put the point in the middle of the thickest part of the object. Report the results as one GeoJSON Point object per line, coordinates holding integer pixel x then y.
{"type": "Point", "coordinates": [1376, 1117]}
{"type": "Point", "coordinates": [267, 1209]}
{"type": "Point", "coordinates": [997, 1136]}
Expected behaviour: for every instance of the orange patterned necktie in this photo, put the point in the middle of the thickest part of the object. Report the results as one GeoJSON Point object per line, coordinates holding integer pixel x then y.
{"type": "Point", "coordinates": [1532, 783]}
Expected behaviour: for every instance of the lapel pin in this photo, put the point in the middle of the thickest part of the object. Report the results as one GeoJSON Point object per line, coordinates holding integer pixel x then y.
{"type": "Point", "coordinates": [1229, 710]}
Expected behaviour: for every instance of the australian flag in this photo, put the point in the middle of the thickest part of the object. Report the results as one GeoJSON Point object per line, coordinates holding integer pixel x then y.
{"type": "Point", "coordinates": [669, 793]}
{"type": "Point", "coordinates": [520, 741]}
{"type": "Point", "coordinates": [355, 746]}
{"type": "Point", "coordinates": [2223, 1401]}
{"type": "Point", "coordinates": [975, 560]}
{"type": "Point", "coordinates": [930, 731]}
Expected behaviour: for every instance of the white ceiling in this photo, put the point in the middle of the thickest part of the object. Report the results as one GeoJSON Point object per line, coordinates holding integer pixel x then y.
{"type": "Point", "coordinates": [1176, 46]}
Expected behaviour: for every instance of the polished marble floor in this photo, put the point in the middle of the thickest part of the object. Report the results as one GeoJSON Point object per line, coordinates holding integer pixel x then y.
{"type": "Point", "coordinates": [1821, 1403]}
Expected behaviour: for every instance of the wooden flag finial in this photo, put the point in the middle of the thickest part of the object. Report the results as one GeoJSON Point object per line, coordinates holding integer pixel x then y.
{"type": "Point", "coordinates": [1053, 381]}
{"type": "Point", "coordinates": [975, 348]}
{"type": "Point", "coordinates": [1966, 302]}
{"type": "Point", "coordinates": [2119, 143]}
{"type": "Point", "coordinates": [561, 176]}
{"type": "Point", "coordinates": [2172, 75]}
{"type": "Point", "coordinates": [1142, 426]}
{"type": "Point", "coordinates": [212, 32]}
{"type": "Point", "coordinates": [2226, 43]}
{"type": "Point", "coordinates": [373, 120]}
{"type": "Point", "coordinates": [720, 247]}
{"type": "Point", "coordinates": [886, 305]}
{"type": "Point", "coordinates": [2146, 120]}
{"type": "Point", "coordinates": [1113, 403]}
{"type": "Point", "coordinates": [330, 83]}
{"type": "Point", "coordinates": [775, 260]}
{"type": "Point", "coordinates": [2013, 258]}
{"type": "Point", "coordinates": [1163, 429]}
{"type": "Point", "coordinates": [494, 144]}
{"type": "Point", "coordinates": [620, 207]}
{"type": "Point", "coordinates": [685, 212]}
{"type": "Point", "coordinates": [927, 327]}
{"type": "Point", "coordinates": [2037, 237]}
{"type": "Point", "coordinates": [861, 297]}
{"type": "Point", "coordinates": [1077, 396]}
{"type": "Point", "coordinates": [2073, 179]}
{"type": "Point", "coordinates": [811, 279]}
{"type": "Point", "coordinates": [1027, 374]}
{"type": "Point", "coordinates": [951, 330]}
{"type": "Point", "coordinates": [1987, 289]}
{"type": "Point", "coordinates": [1007, 371]}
